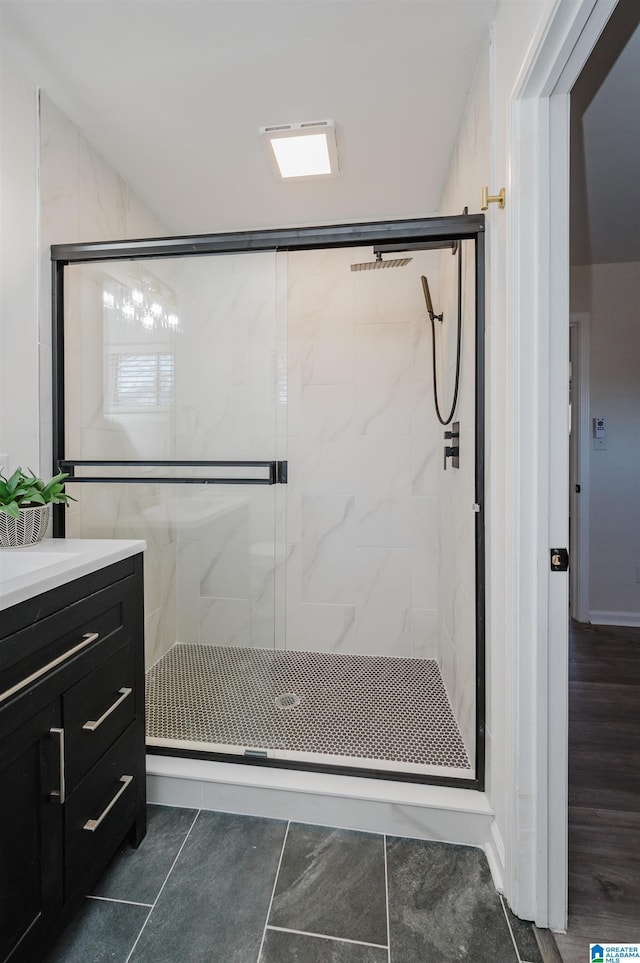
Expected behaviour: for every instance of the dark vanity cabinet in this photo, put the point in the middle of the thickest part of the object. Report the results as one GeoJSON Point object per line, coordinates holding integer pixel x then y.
{"type": "Point", "coordinates": [72, 757]}
{"type": "Point", "coordinates": [31, 870]}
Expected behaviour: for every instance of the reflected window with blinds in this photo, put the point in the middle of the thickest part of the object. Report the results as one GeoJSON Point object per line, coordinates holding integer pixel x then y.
{"type": "Point", "coordinates": [139, 382]}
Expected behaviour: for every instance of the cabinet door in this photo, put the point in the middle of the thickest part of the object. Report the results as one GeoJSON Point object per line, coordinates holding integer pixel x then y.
{"type": "Point", "coordinates": [31, 770]}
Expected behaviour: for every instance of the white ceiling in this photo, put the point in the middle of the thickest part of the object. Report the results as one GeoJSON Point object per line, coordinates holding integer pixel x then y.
{"type": "Point", "coordinates": [172, 93]}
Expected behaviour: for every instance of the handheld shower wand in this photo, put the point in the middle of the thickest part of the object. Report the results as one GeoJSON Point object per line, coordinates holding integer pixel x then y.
{"type": "Point", "coordinates": [427, 297]}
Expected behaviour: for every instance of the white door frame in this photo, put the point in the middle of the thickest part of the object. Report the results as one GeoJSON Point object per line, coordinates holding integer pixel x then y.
{"type": "Point", "coordinates": [537, 297]}
{"type": "Point", "coordinates": [580, 452]}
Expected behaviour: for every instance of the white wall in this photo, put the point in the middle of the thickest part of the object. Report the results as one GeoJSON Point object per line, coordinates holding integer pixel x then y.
{"type": "Point", "coordinates": [18, 269]}
{"type": "Point", "coordinates": [610, 294]}
{"type": "Point", "coordinates": [81, 198]}
{"type": "Point", "coordinates": [512, 713]}
{"type": "Point", "coordinates": [482, 158]}
{"type": "Point", "coordinates": [55, 188]}
{"type": "Point", "coordinates": [457, 635]}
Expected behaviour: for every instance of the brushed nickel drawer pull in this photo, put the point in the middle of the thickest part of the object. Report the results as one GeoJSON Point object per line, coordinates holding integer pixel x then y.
{"type": "Point", "coordinates": [92, 824]}
{"type": "Point", "coordinates": [92, 725]}
{"type": "Point", "coordinates": [58, 795]}
{"type": "Point", "coordinates": [87, 639]}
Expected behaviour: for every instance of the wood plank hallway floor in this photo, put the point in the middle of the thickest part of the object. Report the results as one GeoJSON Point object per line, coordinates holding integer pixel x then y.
{"type": "Point", "coordinates": [604, 789]}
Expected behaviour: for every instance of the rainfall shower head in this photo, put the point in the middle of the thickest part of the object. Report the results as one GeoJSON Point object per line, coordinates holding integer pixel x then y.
{"type": "Point", "coordinates": [379, 263]}
{"type": "Point", "coordinates": [425, 245]}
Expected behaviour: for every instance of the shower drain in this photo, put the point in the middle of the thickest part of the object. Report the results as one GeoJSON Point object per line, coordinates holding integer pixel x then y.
{"type": "Point", "coordinates": [287, 700]}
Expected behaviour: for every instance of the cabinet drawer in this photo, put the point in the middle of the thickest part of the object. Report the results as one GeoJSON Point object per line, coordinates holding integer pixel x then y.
{"type": "Point", "coordinates": [100, 808]}
{"type": "Point", "coordinates": [96, 711]}
{"type": "Point", "coordinates": [53, 641]}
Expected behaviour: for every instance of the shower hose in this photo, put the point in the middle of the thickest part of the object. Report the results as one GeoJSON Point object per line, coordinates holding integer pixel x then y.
{"type": "Point", "coordinates": [447, 420]}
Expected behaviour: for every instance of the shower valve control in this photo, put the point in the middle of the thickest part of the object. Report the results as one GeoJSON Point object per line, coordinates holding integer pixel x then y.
{"type": "Point", "coordinates": [452, 451]}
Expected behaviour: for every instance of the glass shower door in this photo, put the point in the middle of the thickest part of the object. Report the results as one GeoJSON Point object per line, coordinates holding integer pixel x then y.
{"type": "Point", "coordinates": [174, 389]}
{"type": "Point", "coordinates": [380, 560]}
{"type": "Point", "coordinates": [191, 381]}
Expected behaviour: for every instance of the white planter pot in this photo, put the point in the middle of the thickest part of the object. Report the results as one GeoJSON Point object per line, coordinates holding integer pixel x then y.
{"type": "Point", "coordinates": [26, 530]}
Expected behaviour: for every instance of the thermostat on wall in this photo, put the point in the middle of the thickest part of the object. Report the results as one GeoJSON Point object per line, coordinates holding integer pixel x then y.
{"type": "Point", "coordinates": [599, 434]}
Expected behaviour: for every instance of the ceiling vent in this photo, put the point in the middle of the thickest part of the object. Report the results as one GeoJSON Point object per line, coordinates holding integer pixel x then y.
{"type": "Point", "coordinates": [305, 150]}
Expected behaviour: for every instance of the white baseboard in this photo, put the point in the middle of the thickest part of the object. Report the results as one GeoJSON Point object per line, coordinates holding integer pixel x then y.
{"type": "Point", "coordinates": [494, 848]}
{"type": "Point", "coordinates": [348, 802]}
{"type": "Point", "coordinates": [615, 618]}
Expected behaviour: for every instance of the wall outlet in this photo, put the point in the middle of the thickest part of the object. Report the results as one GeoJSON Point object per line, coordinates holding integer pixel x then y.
{"type": "Point", "coordinates": [599, 444]}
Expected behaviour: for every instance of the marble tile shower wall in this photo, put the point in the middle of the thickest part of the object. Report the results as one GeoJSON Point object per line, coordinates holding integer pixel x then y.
{"type": "Point", "coordinates": [230, 383]}
{"type": "Point", "coordinates": [362, 543]}
{"type": "Point", "coordinates": [364, 451]}
{"type": "Point", "coordinates": [83, 199]}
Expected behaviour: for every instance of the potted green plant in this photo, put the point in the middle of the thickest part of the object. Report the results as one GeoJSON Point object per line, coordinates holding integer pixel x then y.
{"type": "Point", "coordinates": [25, 505]}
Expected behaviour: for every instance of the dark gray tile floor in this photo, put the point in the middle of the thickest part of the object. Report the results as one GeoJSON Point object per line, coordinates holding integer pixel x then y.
{"type": "Point", "coordinates": [221, 888]}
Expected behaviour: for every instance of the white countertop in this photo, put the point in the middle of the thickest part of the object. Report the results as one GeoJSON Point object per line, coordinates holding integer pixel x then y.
{"type": "Point", "coordinates": [30, 570]}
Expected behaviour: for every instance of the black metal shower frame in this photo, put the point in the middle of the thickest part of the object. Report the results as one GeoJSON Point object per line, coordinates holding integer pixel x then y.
{"type": "Point", "coordinates": [415, 233]}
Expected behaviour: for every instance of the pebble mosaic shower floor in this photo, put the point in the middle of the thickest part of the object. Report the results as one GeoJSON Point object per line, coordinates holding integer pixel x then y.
{"type": "Point", "coordinates": [357, 706]}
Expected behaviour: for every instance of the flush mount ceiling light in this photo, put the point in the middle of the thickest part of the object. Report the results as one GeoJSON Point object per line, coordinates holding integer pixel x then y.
{"type": "Point", "coordinates": [303, 150]}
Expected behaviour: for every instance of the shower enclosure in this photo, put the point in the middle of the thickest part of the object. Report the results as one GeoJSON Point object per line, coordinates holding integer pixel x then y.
{"type": "Point", "coordinates": [263, 415]}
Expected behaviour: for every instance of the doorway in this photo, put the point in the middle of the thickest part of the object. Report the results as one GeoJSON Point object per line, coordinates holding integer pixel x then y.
{"type": "Point", "coordinates": [539, 493]}
{"type": "Point", "coordinates": [604, 611]}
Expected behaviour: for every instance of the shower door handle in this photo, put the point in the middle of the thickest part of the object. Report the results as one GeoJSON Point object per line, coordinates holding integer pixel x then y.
{"type": "Point", "coordinates": [276, 472]}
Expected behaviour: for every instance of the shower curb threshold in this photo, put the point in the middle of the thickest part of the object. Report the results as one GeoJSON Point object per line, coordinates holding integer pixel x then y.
{"type": "Point", "coordinates": [441, 813]}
